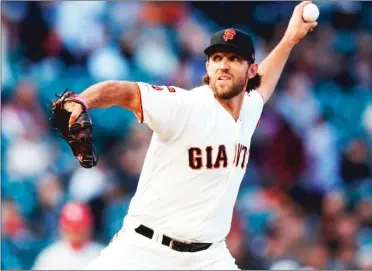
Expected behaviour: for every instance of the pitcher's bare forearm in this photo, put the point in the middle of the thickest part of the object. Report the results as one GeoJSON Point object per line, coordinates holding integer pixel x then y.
{"type": "Point", "coordinates": [110, 93]}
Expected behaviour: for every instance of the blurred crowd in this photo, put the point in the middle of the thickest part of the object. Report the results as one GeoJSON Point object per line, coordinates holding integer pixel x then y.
{"type": "Point", "coordinates": [306, 199]}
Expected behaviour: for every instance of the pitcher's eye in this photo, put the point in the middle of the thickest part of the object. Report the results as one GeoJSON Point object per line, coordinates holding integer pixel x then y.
{"type": "Point", "coordinates": [217, 58]}
{"type": "Point", "coordinates": [234, 58]}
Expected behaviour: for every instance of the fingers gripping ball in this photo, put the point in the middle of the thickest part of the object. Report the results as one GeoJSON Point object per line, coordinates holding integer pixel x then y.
{"type": "Point", "coordinates": [79, 135]}
{"type": "Point", "coordinates": [310, 13]}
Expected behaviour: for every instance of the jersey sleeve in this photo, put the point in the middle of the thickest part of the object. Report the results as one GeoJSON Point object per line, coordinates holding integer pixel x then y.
{"type": "Point", "coordinates": [165, 109]}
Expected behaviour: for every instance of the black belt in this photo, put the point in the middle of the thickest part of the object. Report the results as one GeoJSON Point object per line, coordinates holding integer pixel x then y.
{"type": "Point", "coordinates": [173, 244]}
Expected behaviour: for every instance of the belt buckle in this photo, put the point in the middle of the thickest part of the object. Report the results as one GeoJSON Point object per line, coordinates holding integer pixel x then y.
{"type": "Point", "coordinates": [171, 244]}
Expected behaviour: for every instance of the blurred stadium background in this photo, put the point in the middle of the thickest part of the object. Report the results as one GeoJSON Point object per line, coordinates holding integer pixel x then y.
{"type": "Point", "coordinates": [306, 199]}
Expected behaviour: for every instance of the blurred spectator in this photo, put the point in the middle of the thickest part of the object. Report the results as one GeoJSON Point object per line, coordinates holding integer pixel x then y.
{"type": "Point", "coordinates": [318, 257]}
{"type": "Point", "coordinates": [286, 234]}
{"type": "Point", "coordinates": [51, 197]}
{"type": "Point", "coordinates": [346, 229]}
{"type": "Point", "coordinates": [333, 204]}
{"type": "Point", "coordinates": [75, 249]}
{"type": "Point", "coordinates": [130, 155]}
{"type": "Point", "coordinates": [354, 166]}
{"type": "Point", "coordinates": [322, 156]}
{"type": "Point", "coordinates": [364, 212]}
{"type": "Point", "coordinates": [345, 258]}
{"type": "Point", "coordinates": [21, 162]}
{"type": "Point", "coordinates": [25, 129]}
{"type": "Point", "coordinates": [283, 167]}
{"type": "Point", "coordinates": [86, 184]}
{"type": "Point", "coordinates": [297, 98]}
{"type": "Point", "coordinates": [19, 244]}
{"type": "Point", "coordinates": [13, 223]}
{"type": "Point", "coordinates": [22, 112]}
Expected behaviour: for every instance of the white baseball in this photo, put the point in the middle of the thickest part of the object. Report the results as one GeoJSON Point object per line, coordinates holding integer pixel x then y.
{"type": "Point", "coordinates": [310, 13]}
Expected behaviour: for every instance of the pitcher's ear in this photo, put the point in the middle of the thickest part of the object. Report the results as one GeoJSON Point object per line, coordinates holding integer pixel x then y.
{"type": "Point", "coordinates": [252, 70]}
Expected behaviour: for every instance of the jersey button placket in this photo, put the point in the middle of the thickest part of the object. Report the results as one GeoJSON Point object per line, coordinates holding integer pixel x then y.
{"type": "Point", "coordinates": [236, 141]}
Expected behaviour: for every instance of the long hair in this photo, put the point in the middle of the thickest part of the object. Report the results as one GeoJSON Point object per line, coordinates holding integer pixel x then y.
{"type": "Point", "coordinates": [253, 83]}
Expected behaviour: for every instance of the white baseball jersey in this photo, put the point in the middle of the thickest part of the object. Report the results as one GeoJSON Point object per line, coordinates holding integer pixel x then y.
{"type": "Point", "coordinates": [60, 255]}
{"type": "Point", "coordinates": [195, 162]}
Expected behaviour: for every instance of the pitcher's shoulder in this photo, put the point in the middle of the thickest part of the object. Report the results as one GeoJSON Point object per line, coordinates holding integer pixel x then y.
{"type": "Point", "coordinates": [196, 93]}
{"type": "Point", "coordinates": [255, 95]}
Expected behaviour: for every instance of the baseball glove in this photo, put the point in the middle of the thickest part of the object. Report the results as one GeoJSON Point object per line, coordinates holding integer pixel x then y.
{"type": "Point", "coordinates": [79, 135]}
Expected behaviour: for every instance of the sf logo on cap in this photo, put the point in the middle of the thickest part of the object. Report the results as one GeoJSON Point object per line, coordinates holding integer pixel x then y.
{"type": "Point", "coordinates": [229, 34]}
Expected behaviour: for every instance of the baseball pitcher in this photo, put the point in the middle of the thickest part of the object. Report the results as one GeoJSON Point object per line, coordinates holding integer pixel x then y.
{"type": "Point", "coordinates": [182, 209]}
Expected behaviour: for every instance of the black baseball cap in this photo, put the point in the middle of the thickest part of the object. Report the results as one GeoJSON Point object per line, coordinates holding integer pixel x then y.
{"type": "Point", "coordinates": [233, 39]}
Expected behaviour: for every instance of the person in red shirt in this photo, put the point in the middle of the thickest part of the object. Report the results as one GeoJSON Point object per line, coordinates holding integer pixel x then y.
{"type": "Point", "coordinates": [76, 248]}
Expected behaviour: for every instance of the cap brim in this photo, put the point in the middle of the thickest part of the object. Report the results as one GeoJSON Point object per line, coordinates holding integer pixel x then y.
{"type": "Point", "coordinates": [221, 47]}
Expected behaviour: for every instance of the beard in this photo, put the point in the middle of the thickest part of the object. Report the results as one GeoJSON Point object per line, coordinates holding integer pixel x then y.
{"type": "Point", "coordinates": [228, 92]}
